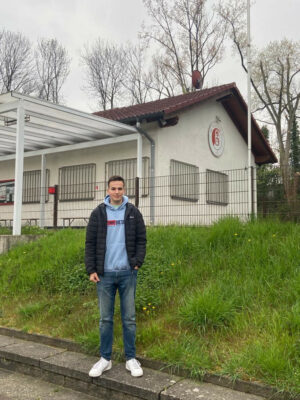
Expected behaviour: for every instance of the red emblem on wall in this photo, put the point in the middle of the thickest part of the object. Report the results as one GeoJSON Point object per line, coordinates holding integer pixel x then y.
{"type": "Point", "coordinates": [216, 139]}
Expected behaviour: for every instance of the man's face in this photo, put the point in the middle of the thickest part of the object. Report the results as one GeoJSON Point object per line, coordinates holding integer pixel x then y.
{"type": "Point", "coordinates": [116, 191]}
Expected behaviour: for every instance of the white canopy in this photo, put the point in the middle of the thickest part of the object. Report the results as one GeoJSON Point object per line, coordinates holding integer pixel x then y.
{"type": "Point", "coordinates": [31, 127]}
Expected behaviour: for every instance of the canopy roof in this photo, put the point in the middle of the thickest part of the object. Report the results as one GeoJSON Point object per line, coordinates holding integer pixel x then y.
{"type": "Point", "coordinates": [51, 128]}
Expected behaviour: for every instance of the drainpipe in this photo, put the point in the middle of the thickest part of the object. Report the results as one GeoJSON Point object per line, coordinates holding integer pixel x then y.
{"type": "Point", "coordinates": [152, 171]}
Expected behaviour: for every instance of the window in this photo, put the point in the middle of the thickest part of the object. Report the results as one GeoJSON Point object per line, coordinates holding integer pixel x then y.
{"type": "Point", "coordinates": [32, 186]}
{"type": "Point", "coordinates": [184, 181]}
{"type": "Point", "coordinates": [77, 182]}
{"type": "Point", "coordinates": [216, 187]}
{"type": "Point", "coordinates": [7, 189]}
{"type": "Point", "coordinates": [127, 169]}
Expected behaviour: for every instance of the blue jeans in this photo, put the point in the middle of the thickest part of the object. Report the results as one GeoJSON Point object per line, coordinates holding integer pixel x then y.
{"type": "Point", "coordinates": [125, 282]}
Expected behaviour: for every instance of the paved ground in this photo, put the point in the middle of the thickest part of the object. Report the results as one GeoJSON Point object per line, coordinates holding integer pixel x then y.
{"type": "Point", "coordinates": [15, 386]}
{"type": "Point", "coordinates": [66, 367]}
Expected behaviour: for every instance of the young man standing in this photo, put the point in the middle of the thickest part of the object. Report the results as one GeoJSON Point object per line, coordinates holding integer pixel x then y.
{"type": "Point", "coordinates": [115, 248]}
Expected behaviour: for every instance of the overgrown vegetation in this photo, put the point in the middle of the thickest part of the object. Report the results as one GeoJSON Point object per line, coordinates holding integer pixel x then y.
{"type": "Point", "coordinates": [224, 299]}
{"type": "Point", "coordinates": [26, 230]}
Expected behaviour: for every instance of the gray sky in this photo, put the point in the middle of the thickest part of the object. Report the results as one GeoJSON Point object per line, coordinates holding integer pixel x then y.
{"type": "Point", "coordinates": [75, 22]}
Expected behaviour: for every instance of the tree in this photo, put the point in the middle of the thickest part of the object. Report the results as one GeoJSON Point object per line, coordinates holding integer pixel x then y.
{"type": "Point", "coordinates": [276, 73]}
{"type": "Point", "coordinates": [270, 194]}
{"type": "Point", "coordinates": [188, 38]}
{"type": "Point", "coordinates": [295, 166]}
{"type": "Point", "coordinates": [52, 68]}
{"type": "Point", "coordinates": [137, 81]}
{"type": "Point", "coordinates": [163, 83]}
{"type": "Point", "coordinates": [265, 132]}
{"type": "Point", "coordinates": [275, 80]}
{"type": "Point", "coordinates": [105, 66]}
{"type": "Point", "coordinates": [16, 63]}
{"type": "Point", "coordinates": [295, 147]}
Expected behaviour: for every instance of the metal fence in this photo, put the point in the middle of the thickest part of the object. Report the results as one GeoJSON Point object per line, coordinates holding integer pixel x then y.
{"type": "Point", "coordinates": [191, 199]}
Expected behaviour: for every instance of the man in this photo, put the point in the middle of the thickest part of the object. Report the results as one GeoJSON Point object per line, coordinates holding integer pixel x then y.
{"type": "Point", "coordinates": [115, 248]}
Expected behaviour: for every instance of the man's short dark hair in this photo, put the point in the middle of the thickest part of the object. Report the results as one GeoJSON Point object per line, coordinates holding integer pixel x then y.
{"type": "Point", "coordinates": [115, 178]}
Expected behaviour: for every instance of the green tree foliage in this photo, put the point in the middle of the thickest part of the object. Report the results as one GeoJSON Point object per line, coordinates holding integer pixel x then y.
{"type": "Point", "coordinates": [265, 132]}
{"type": "Point", "coordinates": [269, 187]}
{"type": "Point", "coordinates": [295, 147]}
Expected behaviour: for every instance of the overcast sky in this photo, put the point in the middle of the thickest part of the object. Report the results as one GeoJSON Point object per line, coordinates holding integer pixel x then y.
{"type": "Point", "coordinates": [75, 23]}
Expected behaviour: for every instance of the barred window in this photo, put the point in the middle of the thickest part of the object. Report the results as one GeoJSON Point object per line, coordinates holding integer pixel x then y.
{"type": "Point", "coordinates": [184, 181]}
{"type": "Point", "coordinates": [77, 182]}
{"type": "Point", "coordinates": [32, 186]}
{"type": "Point", "coordinates": [217, 186]}
{"type": "Point", "coordinates": [127, 169]}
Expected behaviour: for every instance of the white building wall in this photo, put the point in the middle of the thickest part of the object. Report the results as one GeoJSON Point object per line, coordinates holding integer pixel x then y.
{"type": "Point", "coordinates": [68, 209]}
{"type": "Point", "coordinates": [186, 142]}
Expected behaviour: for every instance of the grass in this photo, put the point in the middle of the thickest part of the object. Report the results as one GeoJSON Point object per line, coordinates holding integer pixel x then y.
{"type": "Point", "coordinates": [26, 230]}
{"type": "Point", "coordinates": [222, 299]}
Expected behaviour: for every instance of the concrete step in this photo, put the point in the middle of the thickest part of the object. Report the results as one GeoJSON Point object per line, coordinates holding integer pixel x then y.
{"type": "Point", "coordinates": [70, 369]}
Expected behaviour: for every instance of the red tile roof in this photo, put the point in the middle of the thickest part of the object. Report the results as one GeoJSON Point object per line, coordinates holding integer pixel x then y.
{"type": "Point", "coordinates": [166, 106]}
{"type": "Point", "coordinates": [228, 95]}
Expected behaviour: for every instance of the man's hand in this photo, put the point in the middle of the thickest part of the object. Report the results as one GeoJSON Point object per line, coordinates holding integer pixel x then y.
{"type": "Point", "coordinates": [136, 267]}
{"type": "Point", "coordinates": [94, 277]}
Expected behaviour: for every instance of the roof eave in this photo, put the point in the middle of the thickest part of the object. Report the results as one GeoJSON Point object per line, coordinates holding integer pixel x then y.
{"type": "Point", "coordinates": [258, 139]}
{"type": "Point", "coordinates": [144, 117]}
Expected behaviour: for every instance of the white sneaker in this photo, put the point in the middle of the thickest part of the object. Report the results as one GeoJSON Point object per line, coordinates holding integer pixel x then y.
{"type": "Point", "coordinates": [134, 366]}
{"type": "Point", "coordinates": [100, 366]}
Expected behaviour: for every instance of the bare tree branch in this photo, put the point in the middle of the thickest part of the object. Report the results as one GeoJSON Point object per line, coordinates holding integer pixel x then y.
{"type": "Point", "coordinates": [188, 37]}
{"type": "Point", "coordinates": [53, 67]}
{"type": "Point", "coordinates": [105, 68]}
{"type": "Point", "coordinates": [275, 79]}
{"type": "Point", "coordinates": [16, 63]}
{"type": "Point", "coordinates": [137, 81]}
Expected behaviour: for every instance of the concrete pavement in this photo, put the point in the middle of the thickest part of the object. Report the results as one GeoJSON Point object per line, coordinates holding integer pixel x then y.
{"type": "Point", "coordinates": [61, 363]}
{"type": "Point", "coordinates": [16, 386]}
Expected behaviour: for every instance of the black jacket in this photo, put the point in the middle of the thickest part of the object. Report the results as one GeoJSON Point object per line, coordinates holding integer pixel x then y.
{"type": "Point", "coordinates": [95, 243]}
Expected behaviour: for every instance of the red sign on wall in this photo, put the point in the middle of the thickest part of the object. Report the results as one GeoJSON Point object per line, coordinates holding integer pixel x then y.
{"type": "Point", "coordinates": [51, 189]}
{"type": "Point", "coordinates": [7, 190]}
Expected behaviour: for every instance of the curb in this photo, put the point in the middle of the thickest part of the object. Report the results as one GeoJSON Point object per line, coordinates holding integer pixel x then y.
{"type": "Point", "coordinates": [37, 338]}
{"type": "Point", "coordinates": [253, 388]}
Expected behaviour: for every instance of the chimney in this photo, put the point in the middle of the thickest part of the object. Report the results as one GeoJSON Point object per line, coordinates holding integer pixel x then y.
{"type": "Point", "coordinates": [197, 81]}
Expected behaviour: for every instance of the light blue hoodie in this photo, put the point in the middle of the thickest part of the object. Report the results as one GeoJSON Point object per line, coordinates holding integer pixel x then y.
{"type": "Point", "coordinates": [116, 255]}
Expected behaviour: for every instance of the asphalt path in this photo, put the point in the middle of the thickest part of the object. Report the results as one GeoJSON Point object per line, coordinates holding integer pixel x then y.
{"type": "Point", "coordinates": [15, 386]}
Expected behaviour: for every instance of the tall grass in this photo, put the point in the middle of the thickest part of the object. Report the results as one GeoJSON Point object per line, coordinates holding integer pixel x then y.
{"type": "Point", "coordinates": [224, 298]}
{"type": "Point", "coordinates": [52, 264]}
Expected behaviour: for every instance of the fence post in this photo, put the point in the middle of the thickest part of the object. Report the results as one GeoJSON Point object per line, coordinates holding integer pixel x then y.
{"type": "Point", "coordinates": [137, 191]}
{"type": "Point", "coordinates": [55, 207]}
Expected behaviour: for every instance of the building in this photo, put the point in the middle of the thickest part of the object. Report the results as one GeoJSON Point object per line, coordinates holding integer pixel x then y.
{"type": "Point", "coordinates": [182, 147]}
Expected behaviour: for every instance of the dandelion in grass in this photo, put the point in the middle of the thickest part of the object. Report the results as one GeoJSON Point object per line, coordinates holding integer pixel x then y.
{"type": "Point", "coordinates": [172, 264]}
{"type": "Point", "coordinates": [144, 308]}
